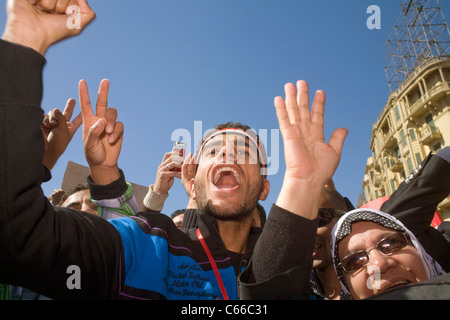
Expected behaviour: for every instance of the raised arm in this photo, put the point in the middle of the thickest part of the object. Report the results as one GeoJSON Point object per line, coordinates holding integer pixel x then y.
{"type": "Point", "coordinates": [102, 135]}
{"type": "Point", "coordinates": [39, 243]}
{"type": "Point", "coordinates": [158, 192]}
{"type": "Point", "coordinates": [310, 161]}
{"type": "Point", "coordinates": [282, 261]}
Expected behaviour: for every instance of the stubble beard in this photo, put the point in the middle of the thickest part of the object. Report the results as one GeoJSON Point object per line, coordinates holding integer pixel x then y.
{"type": "Point", "coordinates": [236, 213]}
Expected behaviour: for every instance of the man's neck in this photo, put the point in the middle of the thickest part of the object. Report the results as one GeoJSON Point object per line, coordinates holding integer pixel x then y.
{"type": "Point", "coordinates": [329, 282]}
{"type": "Point", "coordinates": [235, 234]}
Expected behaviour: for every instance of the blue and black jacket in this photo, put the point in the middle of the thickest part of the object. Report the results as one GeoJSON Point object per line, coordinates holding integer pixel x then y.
{"type": "Point", "coordinates": [160, 261]}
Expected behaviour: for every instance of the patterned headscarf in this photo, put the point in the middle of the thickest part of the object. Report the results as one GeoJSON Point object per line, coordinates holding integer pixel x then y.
{"type": "Point", "coordinates": [344, 226]}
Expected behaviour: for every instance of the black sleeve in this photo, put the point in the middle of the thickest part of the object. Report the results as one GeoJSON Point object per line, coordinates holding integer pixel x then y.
{"type": "Point", "coordinates": [414, 204]}
{"type": "Point", "coordinates": [38, 243]}
{"type": "Point", "coordinates": [415, 200]}
{"type": "Point", "coordinates": [281, 264]}
{"type": "Point", "coordinates": [110, 191]}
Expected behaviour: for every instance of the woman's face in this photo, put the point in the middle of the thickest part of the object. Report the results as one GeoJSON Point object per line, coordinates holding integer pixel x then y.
{"type": "Point", "coordinates": [382, 272]}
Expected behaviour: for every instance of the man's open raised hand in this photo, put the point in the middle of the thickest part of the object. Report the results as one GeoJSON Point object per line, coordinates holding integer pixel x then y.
{"type": "Point", "coordinates": [310, 161]}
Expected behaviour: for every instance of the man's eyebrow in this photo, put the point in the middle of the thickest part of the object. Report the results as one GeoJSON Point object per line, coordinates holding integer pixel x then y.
{"type": "Point", "coordinates": [73, 204]}
{"type": "Point", "coordinates": [213, 143]}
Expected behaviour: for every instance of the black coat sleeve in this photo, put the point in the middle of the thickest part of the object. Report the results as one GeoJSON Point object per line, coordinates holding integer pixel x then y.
{"type": "Point", "coordinates": [281, 264]}
{"type": "Point", "coordinates": [38, 243]}
{"type": "Point", "coordinates": [414, 204]}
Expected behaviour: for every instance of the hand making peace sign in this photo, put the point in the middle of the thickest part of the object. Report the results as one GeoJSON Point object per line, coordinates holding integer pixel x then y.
{"type": "Point", "coordinates": [102, 135]}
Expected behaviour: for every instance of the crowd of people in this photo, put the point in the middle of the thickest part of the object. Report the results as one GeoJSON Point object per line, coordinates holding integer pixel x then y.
{"type": "Point", "coordinates": [313, 244]}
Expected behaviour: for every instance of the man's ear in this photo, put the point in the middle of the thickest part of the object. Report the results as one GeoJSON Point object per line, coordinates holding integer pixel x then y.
{"type": "Point", "coordinates": [265, 190]}
{"type": "Point", "coordinates": [192, 189]}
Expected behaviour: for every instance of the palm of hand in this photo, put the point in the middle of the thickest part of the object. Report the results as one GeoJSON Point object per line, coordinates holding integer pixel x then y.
{"type": "Point", "coordinates": [307, 155]}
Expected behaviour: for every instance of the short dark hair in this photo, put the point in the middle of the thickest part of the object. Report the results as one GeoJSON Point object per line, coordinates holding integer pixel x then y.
{"type": "Point", "coordinates": [71, 191]}
{"type": "Point", "coordinates": [177, 213]}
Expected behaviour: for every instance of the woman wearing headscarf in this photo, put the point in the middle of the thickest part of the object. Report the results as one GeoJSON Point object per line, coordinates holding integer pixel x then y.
{"type": "Point", "coordinates": [373, 251]}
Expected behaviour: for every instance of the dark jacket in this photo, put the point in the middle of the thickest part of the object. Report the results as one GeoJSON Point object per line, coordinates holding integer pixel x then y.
{"type": "Point", "coordinates": [415, 200]}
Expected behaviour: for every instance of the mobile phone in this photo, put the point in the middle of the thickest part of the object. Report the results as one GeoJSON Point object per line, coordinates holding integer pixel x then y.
{"type": "Point", "coordinates": [178, 153]}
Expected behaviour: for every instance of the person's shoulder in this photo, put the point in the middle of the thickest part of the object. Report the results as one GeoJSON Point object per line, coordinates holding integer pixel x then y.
{"type": "Point", "coordinates": [149, 218]}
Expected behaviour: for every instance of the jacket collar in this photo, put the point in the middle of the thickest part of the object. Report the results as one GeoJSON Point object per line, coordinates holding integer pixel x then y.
{"type": "Point", "coordinates": [196, 218]}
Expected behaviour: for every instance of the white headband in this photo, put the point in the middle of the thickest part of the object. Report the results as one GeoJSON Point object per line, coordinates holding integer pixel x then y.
{"type": "Point", "coordinates": [239, 132]}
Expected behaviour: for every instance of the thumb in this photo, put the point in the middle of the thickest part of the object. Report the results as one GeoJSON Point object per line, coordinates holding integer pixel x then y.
{"type": "Point", "coordinates": [77, 121]}
{"type": "Point", "coordinates": [93, 148]}
{"type": "Point", "coordinates": [61, 121]}
{"type": "Point", "coordinates": [98, 128]}
{"type": "Point", "coordinates": [94, 133]}
{"type": "Point", "coordinates": [337, 140]}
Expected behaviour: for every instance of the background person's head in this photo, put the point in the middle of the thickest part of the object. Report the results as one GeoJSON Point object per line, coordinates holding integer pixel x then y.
{"type": "Point", "coordinates": [373, 252]}
{"type": "Point", "coordinates": [332, 206]}
{"type": "Point", "coordinates": [177, 217]}
{"type": "Point", "coordinates": [79, 198]}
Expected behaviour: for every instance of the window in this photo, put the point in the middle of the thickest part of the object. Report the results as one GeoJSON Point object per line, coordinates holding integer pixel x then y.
{"type": "Point", "coordinates": [430, 122]}
{"type": "Point", "coordinates": [388, 164]}
{"type": "Point", "coordinates": [418, 158]}
{"type": "Point", "coordinates": [410, 165]}
{"type": "Point", "coordinates": [397, 153]}
{"type": "Point", "coordinates": [403, 138]}
{"type": "Point", "coordinates": [437, 147]}
{"type": "Point", "coordinates": [412, 134]}
{"type": "Point", "coordinates": [392, 185]}
{"type": "Point", "coordinates": [397, 113]}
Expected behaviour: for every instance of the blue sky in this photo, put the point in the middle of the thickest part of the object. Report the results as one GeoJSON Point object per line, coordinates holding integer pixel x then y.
{"type": "Point", "coordinates": [173, 62]}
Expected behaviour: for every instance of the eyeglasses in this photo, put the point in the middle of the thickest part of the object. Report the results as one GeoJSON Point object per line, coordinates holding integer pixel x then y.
{"type": "Point", "coordinates": [387, 246]}
{"type": "Point", "coordinates": [327, 214]}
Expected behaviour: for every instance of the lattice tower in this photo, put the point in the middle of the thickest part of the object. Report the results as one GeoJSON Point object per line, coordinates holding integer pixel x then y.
{"type": "Point", "coordinates": [420, 35]}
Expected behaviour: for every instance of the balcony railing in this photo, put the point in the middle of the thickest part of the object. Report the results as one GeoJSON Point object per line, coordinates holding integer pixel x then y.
{"type": "Point", "coordinates": [429, 134]}
{"type": "Point", "coordinates": [397, 164]}
{"type": "Point", "coordinates": [437, 87]}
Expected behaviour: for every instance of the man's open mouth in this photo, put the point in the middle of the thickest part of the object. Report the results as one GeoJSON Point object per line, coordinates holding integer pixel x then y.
{"type": "Point", "coordinates": [226, 177]}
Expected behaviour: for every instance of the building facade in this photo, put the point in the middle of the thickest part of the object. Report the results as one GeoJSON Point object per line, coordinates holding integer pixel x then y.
{"type": "Point", "coordinates": [414, 122]}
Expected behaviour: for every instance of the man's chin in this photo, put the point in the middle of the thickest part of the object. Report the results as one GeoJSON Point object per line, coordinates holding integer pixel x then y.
{"type": "Point", "coordinates": [224, 211]}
